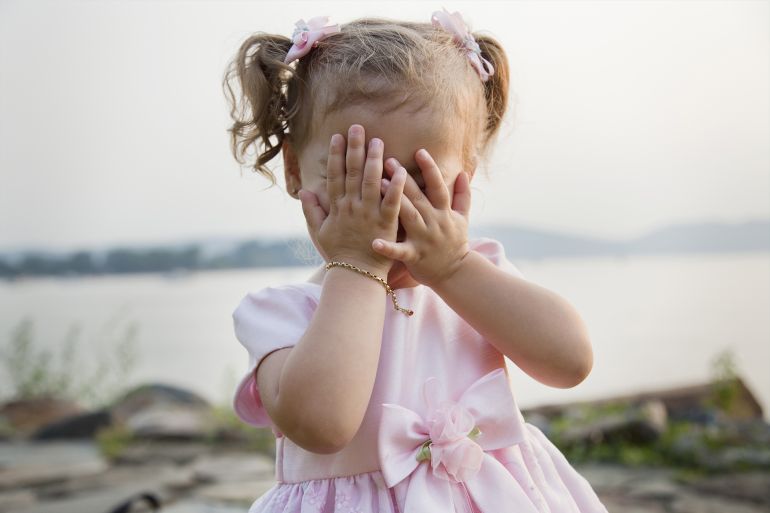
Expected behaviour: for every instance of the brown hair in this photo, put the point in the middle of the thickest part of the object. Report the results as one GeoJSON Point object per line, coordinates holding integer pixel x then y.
{"type": "Point", "coordinates": [379, 61]}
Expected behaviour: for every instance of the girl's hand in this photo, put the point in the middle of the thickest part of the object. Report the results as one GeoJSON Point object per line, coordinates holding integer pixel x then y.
{"type": "Point", "coordinates": [358, 214]}
{"type": "Point", "coordinates": [436, 231]}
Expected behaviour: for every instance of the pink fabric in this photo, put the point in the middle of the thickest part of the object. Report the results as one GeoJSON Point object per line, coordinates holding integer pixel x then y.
{"type": "Point", "coordinates": [307, 35]}
{"type": "Point", "coordinates": [439, 385]}
{"type": "Point", "coordinates": [455, 25]}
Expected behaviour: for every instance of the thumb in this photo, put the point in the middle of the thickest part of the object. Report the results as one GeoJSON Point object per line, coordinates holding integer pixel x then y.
{"type": "Point", "coordinates": [314, 213]}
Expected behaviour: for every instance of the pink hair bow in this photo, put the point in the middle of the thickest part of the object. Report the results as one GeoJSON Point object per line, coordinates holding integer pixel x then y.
{"type": "Point", "coordinates": [452, 438]}
{"type": "Point", "coordinates": [455, 25]}
{"type": "Point", "coordinates": [307, 35]}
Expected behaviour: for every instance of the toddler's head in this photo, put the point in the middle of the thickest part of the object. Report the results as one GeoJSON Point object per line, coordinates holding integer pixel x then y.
{"type": "Point", "coordinates": [409, 84]}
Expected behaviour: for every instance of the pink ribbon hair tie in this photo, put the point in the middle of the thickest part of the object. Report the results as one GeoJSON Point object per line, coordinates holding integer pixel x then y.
{"type": "Point", "coordinates": [307, 35]}
{"type": "Point", "coordinates": [455, 25]}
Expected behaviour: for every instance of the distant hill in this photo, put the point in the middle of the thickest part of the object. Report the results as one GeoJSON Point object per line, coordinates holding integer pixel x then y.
{"type": "Point", "coordinates": [233, 253]}
{"type": "Point", "coordinates": [706, 237]}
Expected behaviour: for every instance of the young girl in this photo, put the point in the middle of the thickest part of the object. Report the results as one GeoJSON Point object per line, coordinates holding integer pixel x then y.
{"type": "Point", "coordinates": [383, 376]}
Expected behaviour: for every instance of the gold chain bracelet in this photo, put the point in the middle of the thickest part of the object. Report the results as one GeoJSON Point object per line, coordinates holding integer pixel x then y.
{"type": "Point", "coordinates": [375, 277]}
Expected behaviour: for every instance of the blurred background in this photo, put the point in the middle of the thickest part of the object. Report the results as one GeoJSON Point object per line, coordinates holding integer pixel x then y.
{"type": "Point", "coordinates": [631, 176]}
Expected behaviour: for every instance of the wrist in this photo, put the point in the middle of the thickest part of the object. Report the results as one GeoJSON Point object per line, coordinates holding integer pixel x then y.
{"type": "Point", "coordinates": [380, 269]}
{"type": "Point", "coordinates": [370, 276]}
{"type": "Point", "coordinates": [446, 280]}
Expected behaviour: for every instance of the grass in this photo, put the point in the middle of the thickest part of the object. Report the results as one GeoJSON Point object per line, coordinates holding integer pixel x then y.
{"type": "Point", "coordinates": [38, 372]}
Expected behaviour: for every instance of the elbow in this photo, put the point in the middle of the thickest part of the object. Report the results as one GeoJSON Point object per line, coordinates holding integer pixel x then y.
{"type": "Point", "coordinates": [583, 361]}
{"type": "Point", "coordinates": [573, 371]}
{"type": "Point", "coordinates": [317, 433]}
{"type": "Point", "coordinates": [584, 364]}
{"type": "Point", "coordinates": [322, 440]}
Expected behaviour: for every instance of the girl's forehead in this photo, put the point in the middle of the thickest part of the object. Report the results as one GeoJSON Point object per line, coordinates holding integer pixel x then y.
{"type": "Point", "coordinates": [402, 130]}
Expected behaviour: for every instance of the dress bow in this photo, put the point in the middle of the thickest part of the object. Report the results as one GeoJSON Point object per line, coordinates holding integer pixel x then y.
{"type": "Point", "coordinates": [452, 438]}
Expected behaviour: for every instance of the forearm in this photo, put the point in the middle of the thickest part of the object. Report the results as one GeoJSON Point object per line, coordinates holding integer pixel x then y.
{"type": "Point", "coordinates": [327, 379]}
{"type": "Point", "coordinates": [537, 329]}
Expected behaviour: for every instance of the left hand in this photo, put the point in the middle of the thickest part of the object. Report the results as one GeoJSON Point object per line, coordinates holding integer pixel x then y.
{"type": "Point", "coordinates": [436, 223]}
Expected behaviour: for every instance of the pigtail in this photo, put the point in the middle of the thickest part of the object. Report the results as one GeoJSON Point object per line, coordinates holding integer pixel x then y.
{"type": "Point", "coordinates": [261, 111]}
{"type": "Point", "coordinates": [496, 88]}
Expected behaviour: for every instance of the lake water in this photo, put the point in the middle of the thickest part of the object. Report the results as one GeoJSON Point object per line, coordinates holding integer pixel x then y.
{"type": "Point", "coordinates": [655, 321]}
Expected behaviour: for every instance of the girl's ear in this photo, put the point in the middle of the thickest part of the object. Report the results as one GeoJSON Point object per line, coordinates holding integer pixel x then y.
{"type": "Point", "coordinates": [291, 170]}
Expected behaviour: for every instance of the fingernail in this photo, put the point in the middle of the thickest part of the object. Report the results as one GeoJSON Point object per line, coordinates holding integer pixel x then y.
{"type": "Point", "coordinates": [356, 130]}
{"type": "Point", "coordinates": [374, 144]}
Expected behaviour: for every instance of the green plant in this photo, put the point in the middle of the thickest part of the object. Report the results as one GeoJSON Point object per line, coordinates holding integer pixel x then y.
{"type": "Point", "coordinates": [34, 372]}
{"type": "Point", "coordinates": [261, 440]}
{"type": "Point", "coordinates": [725, 388]}
{"type": "Point", "coordinates": [113, 440]}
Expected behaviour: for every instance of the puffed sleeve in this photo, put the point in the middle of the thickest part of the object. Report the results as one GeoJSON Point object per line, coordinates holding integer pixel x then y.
{"type": "Point", "coordinates": [266, 321]}
{"type": "Point", "coordinates": [495, 253]}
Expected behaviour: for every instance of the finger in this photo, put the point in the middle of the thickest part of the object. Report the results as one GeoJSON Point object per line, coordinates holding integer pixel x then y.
{"type": "Point", "coordinates": [403, 251]}
{"type": "Point", "coordinates": [354, 161]}
{"type": "Point", "coordinates": [335, 171]}
{"type": "Point", "coordinates": [391, 203]}
{"type": "Point", "coordinates": [370, 185]}
{"type": "Point", "coordinates": [384, 186]}
{"type": "Point", "coordinates": [412, 190]}
{"type": "Point", "coordinates": [410, 217]}
{"type": "Point", "coordinates": [461, 200]}
{"type": "Point", "coordinates": [435, 187]}
{"type": "Point", "coordinates": [314, 213]}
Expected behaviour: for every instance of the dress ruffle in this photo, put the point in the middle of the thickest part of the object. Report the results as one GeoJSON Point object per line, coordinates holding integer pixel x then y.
{"type": "Point", "coordinates": [543, 479]}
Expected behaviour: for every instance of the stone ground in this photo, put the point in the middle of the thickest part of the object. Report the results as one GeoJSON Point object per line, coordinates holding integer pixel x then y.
{"type": "Point", "coordinates": [72, 477]}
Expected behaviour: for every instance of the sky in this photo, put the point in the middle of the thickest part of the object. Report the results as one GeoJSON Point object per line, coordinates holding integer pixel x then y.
{"type": "Point", "coordinates": [628, 116]}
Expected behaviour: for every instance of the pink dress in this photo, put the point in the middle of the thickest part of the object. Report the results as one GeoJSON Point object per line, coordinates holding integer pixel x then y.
{"type": "Point", "coordinates": [442, 432]}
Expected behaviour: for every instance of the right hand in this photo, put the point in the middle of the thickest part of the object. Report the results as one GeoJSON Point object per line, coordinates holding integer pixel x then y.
{"type": "Point", "coordinates": [358, 214]}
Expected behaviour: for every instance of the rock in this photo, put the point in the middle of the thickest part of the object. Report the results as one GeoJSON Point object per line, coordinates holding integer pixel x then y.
{"type": "Point", "coordinates": [741, 458]}
{"type": "Point", "coordinates": [243, 492]}
{"type": "Point", "coordinates": [692, 503]}
{"type": "Point", "coordinates": [752, 486]}
{"type": "Point", "coordinates": [623, 504]}
{"type": "Point", "coordinates": [605, 477]}
{"type": "Point", "coordinates": [689, 448]}
{"type": "Point", "coordinates": [656, 487]}
{"type": "Point", "coordinates": [104, 499]}
{"type": "Point", "coordinates": [540, 421]}
{"type": "Point", "coordinates": [693, 403]}
{"type": "Point", "coordinates": [158, 411]}
{"type": "Point", "coordinates": [16, 500]}
{"type": "Point", "coordinates": [250, 467]}
{"type": "Point", "coordinates": [197, 505]}
{"type": "Point", "coordinates": [726, 445]}
{"type": "Point", "coordinates": [654, 412]}
{"type": "Point", "coordinates": [27, 415]}
{"type": "Point", "coordinates": [655, 490]}
{"type": "Point", "coordinates": [77, 426]}
{"type": "Point", "coordinates": [172, 422]}
{"type": "Point", "coordinates": [635, 425]}
{"type": "Point", "coordinates": [182, 481]}
{"type": "Point", "coordinates": [741, 432]}
{"type": "Point", "coordinates": [152, 395]}
{"type": "Point", "coordinates": [28, 464]}
{"type": "Point", "coordinates": [156, 451]}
